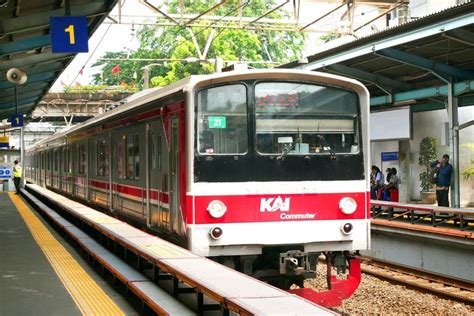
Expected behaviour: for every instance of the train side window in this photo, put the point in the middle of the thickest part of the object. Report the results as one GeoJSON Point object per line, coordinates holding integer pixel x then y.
{"type": "Point", "coordinates": [82, 158]}
{"type": "Point", "coordinates": [121, 157]}
{"type": "Point", "coordinates": [136, 153]}
{"type": "Point", "coordinates": [222, 120]}
{"type": "Point", "coordinates": [102, 158]}
{"type": "Point", "coordinates": [133, 156]}
{"type": "Point", "coordinates": [70, 159]}
{"type": "Point", "coordinates": [77, 162]}
{"type": "Point", "coordinates": [65, 159]}
{"type": "Point", "coordinates": [153, 151]}
{"type": "Point", "coordinates": [56, 160]}
{"type": "Point", "coordinates": [159, 150]}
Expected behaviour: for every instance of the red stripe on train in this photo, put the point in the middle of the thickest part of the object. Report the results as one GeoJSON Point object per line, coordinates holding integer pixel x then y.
{"type": "Point", "coordinates": [133, 191]}
{"type": "Point", "coordinates": [277, 208]}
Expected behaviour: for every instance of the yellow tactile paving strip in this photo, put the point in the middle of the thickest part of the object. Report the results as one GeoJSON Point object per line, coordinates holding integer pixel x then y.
{"type": "Point", "coordinates": [87, 294]}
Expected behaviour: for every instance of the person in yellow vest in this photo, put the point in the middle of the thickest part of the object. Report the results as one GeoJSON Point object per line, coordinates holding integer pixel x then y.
{"type": "Point", "coordinates": [17, 176]}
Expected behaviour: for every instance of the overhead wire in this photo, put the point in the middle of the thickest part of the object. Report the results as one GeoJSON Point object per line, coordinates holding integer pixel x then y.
{"type": "Point", "coordinates": [90, 56]}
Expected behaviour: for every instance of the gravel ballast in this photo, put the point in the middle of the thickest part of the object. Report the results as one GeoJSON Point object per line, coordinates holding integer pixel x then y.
{"type": "Point", "coordinates": [378, 297]}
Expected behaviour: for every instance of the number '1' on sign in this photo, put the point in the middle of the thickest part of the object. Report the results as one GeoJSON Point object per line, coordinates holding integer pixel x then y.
{"type": "Point", "coordinates": [69, 34]}
{"type": "Point", "coordinates": [16, 120]}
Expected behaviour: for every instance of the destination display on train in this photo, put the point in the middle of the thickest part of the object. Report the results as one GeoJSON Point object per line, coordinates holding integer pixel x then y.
{"type": "Point", "coordinates": [279, 101]}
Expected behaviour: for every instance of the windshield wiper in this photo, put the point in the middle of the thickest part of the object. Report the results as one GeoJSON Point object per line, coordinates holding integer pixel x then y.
{"type": "Point", "coordinates": [285, 151]}
{"type": "Point", "coordinates": [325, 142]}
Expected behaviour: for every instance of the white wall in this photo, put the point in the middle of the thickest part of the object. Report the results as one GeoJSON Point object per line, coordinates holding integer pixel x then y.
{"type": "Point", "coordinates": [420, 8]}
{"type": "Point", "coordinates": [429, 124]}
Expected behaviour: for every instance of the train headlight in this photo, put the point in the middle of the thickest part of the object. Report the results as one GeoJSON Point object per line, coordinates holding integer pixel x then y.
{"type": "Point", "coordinates": [216, 208]}
{"type": "Point", "coordinates": [347, 205]}
{"type": "Point", "coordinates": [216, 233]}
{"type": "Point", "coordinates": [346, 228]}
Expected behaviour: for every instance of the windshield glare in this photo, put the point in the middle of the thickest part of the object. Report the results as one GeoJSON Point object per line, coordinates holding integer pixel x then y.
{"type": "Point", "coordinates": [300, 118]}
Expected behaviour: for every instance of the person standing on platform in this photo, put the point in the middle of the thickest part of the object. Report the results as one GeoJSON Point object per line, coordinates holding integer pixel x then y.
{"type": "Point", "coordinates": [17, 176]}
{"type": "Point", "coordinates": [443, 179]}
{"type": "Point", "coordinates": [377, 182]}
{"type": "Point", "coordinates": [388, 174]}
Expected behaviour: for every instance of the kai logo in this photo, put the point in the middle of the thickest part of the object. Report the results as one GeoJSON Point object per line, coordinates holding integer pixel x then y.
{"type": "Point", "coordinates": [274, 204]}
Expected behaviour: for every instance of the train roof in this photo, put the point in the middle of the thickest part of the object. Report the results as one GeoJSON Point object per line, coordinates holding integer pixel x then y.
{"type": "Point", "coordinates": [148, 95]}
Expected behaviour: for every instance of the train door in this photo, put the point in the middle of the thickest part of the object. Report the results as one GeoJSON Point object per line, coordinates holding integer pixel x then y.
{"type": "Point", "coordinates": [110, 170]}
{"type": "Point", "coordinates": [158, 211]}
{"type": "Point", "coordinates": [43, 168]}
{"type": "Point", "coordinates": [174, 193]}
{"type": "Point", "coordinates": [49, 181]}
{"type": "Point", "coordinates": [117, 164]}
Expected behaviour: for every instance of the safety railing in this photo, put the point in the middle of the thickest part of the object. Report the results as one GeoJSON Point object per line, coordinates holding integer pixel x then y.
{"type": "Point", "coordinates": [458, 218]}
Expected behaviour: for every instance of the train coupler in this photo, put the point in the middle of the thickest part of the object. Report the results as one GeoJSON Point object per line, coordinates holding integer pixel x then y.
{"type": "Point", "coordinates": [296, 263]}
{"type": "Point", "coordinates": [338, 289]}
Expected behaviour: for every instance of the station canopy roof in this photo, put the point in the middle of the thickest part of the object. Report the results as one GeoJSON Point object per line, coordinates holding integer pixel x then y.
{"type": "Point", "coordinates": [25, 44]}
{"type": "Point", "coordinates": [410, 64]}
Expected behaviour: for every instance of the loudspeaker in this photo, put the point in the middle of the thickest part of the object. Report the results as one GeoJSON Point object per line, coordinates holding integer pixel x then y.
{"type": "Point", "coordinates": [16, 76]}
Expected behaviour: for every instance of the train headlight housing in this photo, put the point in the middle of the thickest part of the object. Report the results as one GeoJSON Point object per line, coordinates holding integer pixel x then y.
{"type": "Point", "coordinates": [346, 229]}
{"type": "Point", "coordinates": [216, 233]}
{"type": "Point", "coordinates": [216, 208]}
{"type": "Point", "coordinates": [347, 205]}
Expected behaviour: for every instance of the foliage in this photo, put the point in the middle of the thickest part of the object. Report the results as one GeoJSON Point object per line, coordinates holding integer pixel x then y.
{"type": "Point", "coordinates": [469, 171]}
{"type": "Point", "coordinates": [428, 154]}
{"type": "Point", "coordinates": [112, 90]}
{"type": "Point", "coordinates": [329, 37]}
{"type": "Point", "coordinates": [176, 44]}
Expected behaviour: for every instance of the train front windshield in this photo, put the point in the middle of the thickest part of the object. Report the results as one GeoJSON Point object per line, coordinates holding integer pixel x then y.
{"type": "Point", "coordinates": [302, 119]}
{"type": "Point", "coordinates": [267, 122]}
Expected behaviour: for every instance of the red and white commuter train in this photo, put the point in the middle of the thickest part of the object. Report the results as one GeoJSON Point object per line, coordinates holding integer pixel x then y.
{"type": "Point", "coordinates": [263, 170]}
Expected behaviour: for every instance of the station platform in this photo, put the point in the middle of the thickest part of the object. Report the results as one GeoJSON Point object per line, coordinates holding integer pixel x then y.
{"type": "Point", "coordinates": [41, 274]}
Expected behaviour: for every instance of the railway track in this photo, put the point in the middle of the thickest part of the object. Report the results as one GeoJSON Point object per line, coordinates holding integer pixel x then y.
{"type": "Point", "coordinates": [442, 286]}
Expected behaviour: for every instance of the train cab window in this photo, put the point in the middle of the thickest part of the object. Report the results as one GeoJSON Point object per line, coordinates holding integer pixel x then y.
{"type": "Point", "coordinates": [102, 158]}
{"type": "Point", "coordinates": [133, 156]}
{"type": "Point", "coordinates": [222, 120]}
{"type": "Point", "coordinates": [304, 119]}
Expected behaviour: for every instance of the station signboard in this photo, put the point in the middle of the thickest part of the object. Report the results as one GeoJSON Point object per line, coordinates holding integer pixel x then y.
{"type": "Point", "coordinates": [5, 173]}
{"type": "Point", "coordinates": [4, 142]}
{"type": "Point", "coordinates": [390, 156]}
{"type": "Point", "coordinates": [69, 34]}
{"type": "Point", "coordinates": [16, 120]}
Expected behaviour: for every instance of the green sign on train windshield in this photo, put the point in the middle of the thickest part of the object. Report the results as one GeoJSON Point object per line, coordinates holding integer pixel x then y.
{"type": "Point", "coordinates": [217, 122]}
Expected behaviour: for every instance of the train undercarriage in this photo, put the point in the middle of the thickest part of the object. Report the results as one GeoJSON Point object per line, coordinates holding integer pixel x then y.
{"type": "Point", "coordinates": [287, 268]}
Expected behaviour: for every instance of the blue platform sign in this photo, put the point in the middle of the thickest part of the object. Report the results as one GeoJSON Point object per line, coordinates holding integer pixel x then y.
{"type": "Point", "coordinates": [390, 156]}
{"type": "Point", "coordinates": [69, 34]}
{"type": "Point", "coordinates": [16, 120]}
{"type": "Point", "coordinates": [5, 173]}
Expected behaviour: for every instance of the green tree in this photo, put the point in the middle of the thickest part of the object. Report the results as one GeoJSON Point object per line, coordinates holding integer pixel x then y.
{"type": "Point", "coordinates": [176, 43]}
